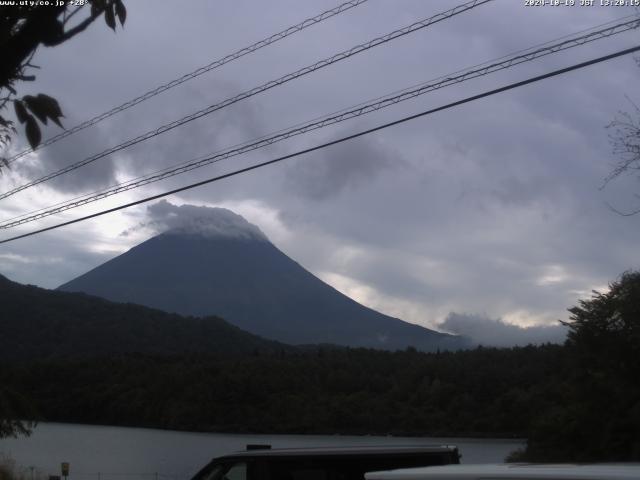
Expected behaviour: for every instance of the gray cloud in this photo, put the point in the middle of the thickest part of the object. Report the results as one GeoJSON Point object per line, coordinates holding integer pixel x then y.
{"type": "Point", "coordinates": [490, 207]}
{"type": "Point", "coordinates": [64, 153]}
{"type": "Point", "coordinates": [340, 167]}
{"type": "Point", "coordinates": [496, 333]}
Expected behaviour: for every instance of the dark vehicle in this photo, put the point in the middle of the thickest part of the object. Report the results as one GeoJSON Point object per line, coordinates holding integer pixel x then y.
{"type": "Point", "coordinates": [260, 462]}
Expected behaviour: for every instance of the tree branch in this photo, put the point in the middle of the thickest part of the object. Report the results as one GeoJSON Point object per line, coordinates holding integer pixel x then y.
{"type": "Point", "coordinates": [78, 28]}
{"type": "Point", "coordinates": [68, 17]}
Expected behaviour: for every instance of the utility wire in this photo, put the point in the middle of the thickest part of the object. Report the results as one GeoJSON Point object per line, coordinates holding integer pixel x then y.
{"type": "Point", "coordinates": [361, 109]}
{"type": "Point", "coordinates": [95, 193]}
{"type": "Point", "coordinates": [196, 73]}
{"type": "Point", "coordinates": [505, 88]}
{"type": "Point", "coordinates": [183, 167]}
{"type": "Point", "coordinates": [254, 91]}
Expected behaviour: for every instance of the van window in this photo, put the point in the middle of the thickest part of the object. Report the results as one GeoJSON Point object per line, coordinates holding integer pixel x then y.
{"type": "Point", "coordinates": [308, 469]}
{"type": "Point", "coordinates": [226, 471]}
{"type": "Point", "coordinates": [237, 471]}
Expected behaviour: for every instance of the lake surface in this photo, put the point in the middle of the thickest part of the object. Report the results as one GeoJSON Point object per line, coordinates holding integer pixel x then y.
{"type": "Point", "coordinates": [117, 453]}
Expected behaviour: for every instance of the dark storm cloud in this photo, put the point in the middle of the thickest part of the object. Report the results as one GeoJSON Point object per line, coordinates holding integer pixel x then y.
{"type": "Point", "coordinates": [496, 333]}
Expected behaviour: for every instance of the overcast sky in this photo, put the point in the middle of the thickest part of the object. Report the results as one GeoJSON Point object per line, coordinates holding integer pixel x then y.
{"type": "Point", "coordinates": [488, 212]}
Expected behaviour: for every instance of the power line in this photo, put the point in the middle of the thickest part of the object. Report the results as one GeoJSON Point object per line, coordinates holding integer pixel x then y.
{"type": "Point", "coordinates": [505, 88]}
{"type": "Point", "coordinates": [321, 122]}
{"type": "Point", "coordinates": [379, 103]}
{"type": "Point", "coordinates": [196, 73]}
{"type": "Point", "coordinates": [254, 91]}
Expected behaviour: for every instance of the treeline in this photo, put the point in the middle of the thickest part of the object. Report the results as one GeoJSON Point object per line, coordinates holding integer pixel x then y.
{"type": "Point", "coordinates": [486, 392]}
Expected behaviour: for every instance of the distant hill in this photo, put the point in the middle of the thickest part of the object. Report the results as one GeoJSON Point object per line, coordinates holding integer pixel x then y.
{"type": "Point", "coordinates": [38, 323]}
{"type": "Point", "coordinates": [227, 267]}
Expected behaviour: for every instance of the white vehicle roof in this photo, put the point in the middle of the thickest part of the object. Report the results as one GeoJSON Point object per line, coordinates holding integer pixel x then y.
{"type": "Point", "coordinates": [514, 471]}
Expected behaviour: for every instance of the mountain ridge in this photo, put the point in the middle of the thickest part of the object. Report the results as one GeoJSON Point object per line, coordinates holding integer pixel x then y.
{"type": "Point", "coordinates": [38, 323]}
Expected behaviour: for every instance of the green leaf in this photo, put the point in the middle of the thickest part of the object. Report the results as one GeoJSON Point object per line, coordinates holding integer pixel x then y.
{"type": "Point", "coordinates": [33, 132]}
{"type": "Point", "coordinates": [21, 112]}
{"type": "Point", "coordinates": [109, 16]}
{"type": "Point", "coordinates": [121, 11]}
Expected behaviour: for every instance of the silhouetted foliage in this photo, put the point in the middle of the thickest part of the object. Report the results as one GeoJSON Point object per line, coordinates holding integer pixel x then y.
{"type": "Point", "coordinates": [23, 28]}
{"type": "Point", "coordinates": [598, 416]}
{"type": "Point", "coordinates": [17, 413]}
{"type": "Point", "coordinates": [624, 137]}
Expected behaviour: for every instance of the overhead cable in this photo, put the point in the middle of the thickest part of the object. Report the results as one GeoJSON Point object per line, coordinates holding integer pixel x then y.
{"type": "Point", "coordinates": [334, 142]}
{"type": "Point", "coordinates": [361, 109]}
{"type": "Point", "coordinates": [254, 91]}
{"type": "Point", "coordinates": [196, 73]}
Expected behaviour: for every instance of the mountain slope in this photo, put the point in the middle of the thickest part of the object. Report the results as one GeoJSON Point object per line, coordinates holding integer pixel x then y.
{"type": "Point", "coordinates": [249, 282]}
{"type": "Point", "coordinates": [39, 323]}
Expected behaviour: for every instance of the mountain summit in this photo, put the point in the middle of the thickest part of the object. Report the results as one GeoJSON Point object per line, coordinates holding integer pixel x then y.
{"type": "Point", "coordinates": [211, 222]}
{"type": "Point", "coordinates": [214, 262]}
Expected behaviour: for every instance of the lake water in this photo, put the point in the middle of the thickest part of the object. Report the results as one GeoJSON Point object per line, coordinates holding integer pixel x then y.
{"type": "Point", "coordinates": [117, 453]}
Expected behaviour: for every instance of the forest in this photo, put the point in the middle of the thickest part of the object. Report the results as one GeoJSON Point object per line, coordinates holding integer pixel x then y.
{"type": "Point", "coordinates": [574, 402]}
{"type": "Point", "coordinates": [327, 391]}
